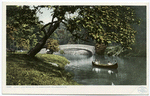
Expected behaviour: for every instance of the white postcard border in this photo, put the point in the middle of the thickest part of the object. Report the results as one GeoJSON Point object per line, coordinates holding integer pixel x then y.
{"type": "Point", "coordinates": [81, 89]}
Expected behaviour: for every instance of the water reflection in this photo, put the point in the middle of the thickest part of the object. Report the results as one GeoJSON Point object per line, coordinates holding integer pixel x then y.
{"type": "Point", "coordinates": [110, 73]}
{"type": "Point", "coordinates": [102, 70]}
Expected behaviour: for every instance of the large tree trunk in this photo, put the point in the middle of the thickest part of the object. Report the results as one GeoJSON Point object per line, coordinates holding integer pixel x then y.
{"type": "Point", "coordinates": [42, 42]}
{"type": "Point", "coordinates": [38, 47]}
{"type": "Point", "coordinates": [100, 48]}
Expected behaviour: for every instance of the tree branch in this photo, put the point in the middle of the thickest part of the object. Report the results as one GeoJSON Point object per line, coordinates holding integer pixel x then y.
{"type": "Point", "coordinates": [48, 24]}
{"type": "Point", "coordinates": [52, 21]}
{"type": "Point", "coordinates": [45, 32]}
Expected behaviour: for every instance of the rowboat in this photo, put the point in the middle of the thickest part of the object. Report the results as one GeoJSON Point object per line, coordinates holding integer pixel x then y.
{"type": "Point", "coordinates": [114, 66]}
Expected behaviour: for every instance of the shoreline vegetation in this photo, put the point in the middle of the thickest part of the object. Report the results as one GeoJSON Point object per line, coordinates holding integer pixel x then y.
{"type": "Point", "coordinates": [24, 70]}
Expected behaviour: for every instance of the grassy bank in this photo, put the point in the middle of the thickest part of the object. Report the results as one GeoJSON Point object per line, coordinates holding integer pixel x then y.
{"type": "Point", "coordinates": [24, 70]}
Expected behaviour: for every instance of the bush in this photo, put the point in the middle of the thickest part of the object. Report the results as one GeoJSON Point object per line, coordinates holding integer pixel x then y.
{"type": "Point", "coordinates": [52, 45]}
{"type": "Point", "coordinates": [62, 52]}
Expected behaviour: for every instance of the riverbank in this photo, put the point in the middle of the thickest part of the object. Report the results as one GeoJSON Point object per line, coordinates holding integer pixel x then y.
{"type": "Point", "coordinates": [43, 69]}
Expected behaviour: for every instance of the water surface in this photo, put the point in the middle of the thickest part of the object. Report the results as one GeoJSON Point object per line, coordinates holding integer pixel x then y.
{"type": "Point", "coordinates": [131, 71]}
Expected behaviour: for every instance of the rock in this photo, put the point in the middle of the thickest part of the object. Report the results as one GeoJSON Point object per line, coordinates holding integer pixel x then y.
{"type": "Point", "coordinates": [54, 64]}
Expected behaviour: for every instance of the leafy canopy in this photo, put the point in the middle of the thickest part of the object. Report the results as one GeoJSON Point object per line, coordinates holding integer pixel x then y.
{"type": "Point", "coordinates": [105, 24]}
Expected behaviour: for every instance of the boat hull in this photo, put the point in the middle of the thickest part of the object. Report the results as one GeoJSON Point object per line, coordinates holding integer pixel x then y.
{"type": "Point", "coordinates": [114, 66]}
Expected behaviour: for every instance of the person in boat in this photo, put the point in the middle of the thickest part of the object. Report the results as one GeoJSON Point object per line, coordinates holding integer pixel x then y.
{"type": "Point", "coordinates": [96, 62]}
{"type": "Point", "coordinates": [109, 63]}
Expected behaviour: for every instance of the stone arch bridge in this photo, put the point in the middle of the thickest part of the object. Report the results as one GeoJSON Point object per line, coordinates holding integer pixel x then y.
{"type": "Point", "coordinates": [74, 46]}
{"type": "Point", "coordinates": [78, 46]}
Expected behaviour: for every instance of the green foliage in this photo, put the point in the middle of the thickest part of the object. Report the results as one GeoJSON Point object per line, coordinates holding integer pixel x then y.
{"type": "Point", "coordinates": [18, 15]}
{"type": "Point", "coordinates": [23, 43]}
{"type": "Point", "coordinates": [113, 50]}
{"type": "Point", "coordinates": [24, 70]}
{"type": "Point", "coordinates": [21, 24]}
{"type": "Point", "coordinates": [61, 61]}
{"type": "Point", "coordinates": [106, 24]}
{"type": "Point", "coordinates": [62, 52]}
{"type": "Point", "coordinates": [52, 45]}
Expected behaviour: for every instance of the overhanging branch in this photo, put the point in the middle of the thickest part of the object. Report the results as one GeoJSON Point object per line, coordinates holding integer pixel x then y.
{"type": "Point", "coordinates": [48, 24]}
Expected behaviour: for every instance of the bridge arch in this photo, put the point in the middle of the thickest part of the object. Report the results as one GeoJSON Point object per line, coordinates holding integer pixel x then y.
{"type": "Point", "coordinates": [78, 46]}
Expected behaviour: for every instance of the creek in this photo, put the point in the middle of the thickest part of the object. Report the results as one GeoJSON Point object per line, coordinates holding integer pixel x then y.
{"type": "Point", "coordinates": [130, 71]}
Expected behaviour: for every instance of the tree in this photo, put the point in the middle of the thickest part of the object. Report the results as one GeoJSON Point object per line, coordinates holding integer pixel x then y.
{"type": "Point", "coordinates": [21, 22]}
{"type": "Point", "coordinates": [105, 24]}
{"type": "Point", "coordinates": [52, 45]}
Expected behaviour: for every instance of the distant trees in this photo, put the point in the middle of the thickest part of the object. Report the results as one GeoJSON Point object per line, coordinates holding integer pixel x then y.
{"type": "Point", "coordinates": [63, 35]}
